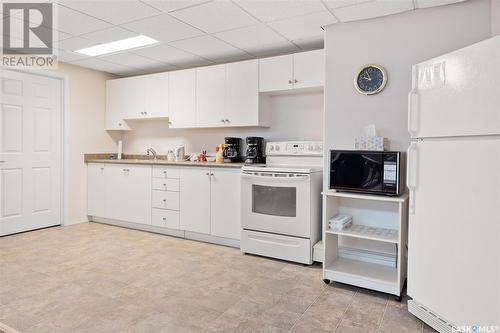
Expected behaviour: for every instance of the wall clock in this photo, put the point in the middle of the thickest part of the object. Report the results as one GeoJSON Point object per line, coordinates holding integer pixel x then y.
{"type": "Point", "coordinates": [370, 79]}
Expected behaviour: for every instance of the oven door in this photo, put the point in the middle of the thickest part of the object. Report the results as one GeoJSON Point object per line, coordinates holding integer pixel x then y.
{"type": "Point", "coordinates": [276, 202]}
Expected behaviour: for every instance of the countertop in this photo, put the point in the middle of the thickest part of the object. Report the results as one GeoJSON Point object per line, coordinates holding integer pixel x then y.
{"type": "Point", "coordinates": [165, 162]}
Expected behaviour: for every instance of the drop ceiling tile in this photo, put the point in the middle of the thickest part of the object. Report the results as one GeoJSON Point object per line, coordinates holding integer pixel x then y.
{"type": "Point", "coordinates": [101, 65]}
{"type": "Point", "coordinates": [434, 3]}
{"type": "Point", "coordinates": [109, 35]}
{"type": "Point", "coordinates": [254, 36]}
{"type": "Point", "coordinates": [372, 9]}
{"type": "Point", "coordinates": [75, 43]}
{"type": "Point", "coordinates": [209, 47]}
{"type": "Point", "coordinates": [310, 43]}
{"type": "Point", "coordinates": [171, 5]}
{"type": "Point", "coordinates": [131, 60]}
{"type": "Point", "coordinates": [307, 26]}
{"type": "Point", "coordinates": [273, 49]}
{"type": "Point", "coordinates": [75, 23]}
{"type": "Point", "coordinates": [267, 11]}
{"type": "Point", "coordinates": [171, 55]}
{"type": "Point", "coordinates": [343, 3]}
{"type": "Point", "coordinates": [68, 56]}
{"type": "Point", "coordinates": [163, 28]}
{"type": "Point", "coordinates": [114, 12]}
{"type": "Point", "coordinates": [215, 16]}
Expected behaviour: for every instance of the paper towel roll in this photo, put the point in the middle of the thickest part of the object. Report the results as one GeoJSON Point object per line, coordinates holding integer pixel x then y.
{"type": "Point", "coordinates": [120, 149]}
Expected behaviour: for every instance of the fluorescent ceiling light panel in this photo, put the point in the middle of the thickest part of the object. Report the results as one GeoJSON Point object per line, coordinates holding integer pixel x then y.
{"type": "Point", "coordinates": [117, 46]}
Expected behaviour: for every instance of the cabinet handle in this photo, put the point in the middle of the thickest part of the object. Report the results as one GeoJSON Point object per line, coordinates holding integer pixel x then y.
{"type": "Point", "coordinates": [170, 123]}
{"type": "Point", "coordinates": [290, 82]}
{"type": "Point", "coordinates": [119, 124]}
{"type": "Point", "coordinates": [164, 200]}
{"type": "Point", "coordinates": [164, 172]}
{"type": "Point", "coordinates": [227, 121]}
{"type": "Point", "coordinates": [222, 120]}
{"type": "Point", "coordinates": [295, 81]}
{"type": "Point", "coordinates": [208, 174]}
{"type": "Point", "coordinates": [165, 185]}
{"type": "Point", "coordinates": [211, 174]}
{"type": "Point", "coordinates": [164, 219]}
{"type": "Point", "coordinates": [145, 112]}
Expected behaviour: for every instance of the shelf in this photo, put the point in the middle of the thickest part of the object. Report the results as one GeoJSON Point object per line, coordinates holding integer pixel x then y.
{"type": "Point", "coordinates": [367, 232]}
{"type": "Point", "coordinates": [333, 193]}
{"type": "Point", "coordinates": [364, 274]}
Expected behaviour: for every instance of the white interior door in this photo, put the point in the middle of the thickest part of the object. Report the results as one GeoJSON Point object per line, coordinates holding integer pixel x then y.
{"type": "Point", "coordinates": [31, 145]}
{"type": "Point", "coordinates": [454, 228]}
{"type": "Point", "coordinates": [457, 94]}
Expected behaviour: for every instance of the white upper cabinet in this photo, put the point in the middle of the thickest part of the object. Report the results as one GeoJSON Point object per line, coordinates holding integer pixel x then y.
{"type": "Point", "coordinates": [242, 94]}
{"type": "Point", "coordinates": [294, 71]}
{"type": "Point", "coordinates": [276, 73]}
{"type": "Point", "coordinates": [136, 97]}
{"type": "Point", "coordinates": [182, 101]}
{"type": "Point", "coordinates": [156, 93]}
{"type": "Point", "coordinates": [210, 96]}
{"type": "Point", "coordinates": [309, 69]}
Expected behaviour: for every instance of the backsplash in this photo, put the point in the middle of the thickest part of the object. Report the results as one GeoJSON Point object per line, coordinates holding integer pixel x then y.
{"type": "Point", "coordinates": [293, 117]}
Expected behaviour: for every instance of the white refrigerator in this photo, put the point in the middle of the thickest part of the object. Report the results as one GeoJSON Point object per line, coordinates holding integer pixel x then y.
{"type": "Point", "coordinates": [454, 183]}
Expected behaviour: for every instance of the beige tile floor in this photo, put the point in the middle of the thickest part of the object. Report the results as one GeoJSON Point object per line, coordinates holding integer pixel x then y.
{"type": "Point", "coordinates": [98, 278]}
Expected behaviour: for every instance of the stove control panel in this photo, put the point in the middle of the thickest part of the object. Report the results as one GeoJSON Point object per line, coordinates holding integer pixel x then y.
{"type": "Point", "coordinates": [305, 148]}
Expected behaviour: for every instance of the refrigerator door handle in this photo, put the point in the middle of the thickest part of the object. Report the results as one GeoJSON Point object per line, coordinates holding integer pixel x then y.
{"type": "Point", "coordinates": [411, 175]}
{"type": "Point", "coordinates": [413, 112]}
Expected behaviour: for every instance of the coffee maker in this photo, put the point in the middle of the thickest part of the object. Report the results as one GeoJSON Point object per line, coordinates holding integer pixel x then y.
{"type": "Point", "coordinates": [255, 150]}
{"type": "Point", "coordinates": [232, 150]}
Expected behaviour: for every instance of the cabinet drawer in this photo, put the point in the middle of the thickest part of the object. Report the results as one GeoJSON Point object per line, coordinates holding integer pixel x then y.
{"type": "Point", "coordinates": [165, 218]}
{"type": "Point", "coordinates": [168, 184]}
{"type": "Point", "coordinates": [165, 172]}
{"type": "Point", "coordinates": [166, 200]}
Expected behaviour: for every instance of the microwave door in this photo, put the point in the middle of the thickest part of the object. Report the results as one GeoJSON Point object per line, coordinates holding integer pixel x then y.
{"type": "Point", "coordinates": [362, 172]}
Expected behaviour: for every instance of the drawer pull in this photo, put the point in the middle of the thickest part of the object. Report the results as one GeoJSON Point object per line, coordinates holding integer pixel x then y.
{"type": "Point", "coordinates": [164, 219]}
{"type": "Point", "coordinates": [164, 200]}
{"type": "Point", "coordinates": [165, 185]}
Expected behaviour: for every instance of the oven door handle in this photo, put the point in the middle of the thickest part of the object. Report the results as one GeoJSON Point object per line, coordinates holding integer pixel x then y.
{"type": "Point", "coordinates": [277, 177]}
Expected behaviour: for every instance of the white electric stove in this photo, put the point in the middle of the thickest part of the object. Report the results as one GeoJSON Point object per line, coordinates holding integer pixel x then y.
{"type": "Point", "coordinates": [281, 201]}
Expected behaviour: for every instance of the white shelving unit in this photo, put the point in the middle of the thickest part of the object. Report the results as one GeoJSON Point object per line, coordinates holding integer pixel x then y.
{"type": "Point", "coordinates": [376, 242]}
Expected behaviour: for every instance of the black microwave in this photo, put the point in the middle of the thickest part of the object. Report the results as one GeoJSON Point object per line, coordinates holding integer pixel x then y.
{"type": "Point", "coordinates": [371, 172]}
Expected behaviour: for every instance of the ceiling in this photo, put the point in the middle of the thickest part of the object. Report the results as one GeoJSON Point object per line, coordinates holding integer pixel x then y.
{"type": "Point", "coordinates": [200, 32]}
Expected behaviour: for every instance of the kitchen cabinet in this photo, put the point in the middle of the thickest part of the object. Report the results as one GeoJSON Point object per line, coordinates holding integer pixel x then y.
{"type": "Point", "coordinates": [225, 203]}
{"type": "Point", "coordinates": [195, 199]}
{"type": "Point", "coordinates": [96, 189]}
{"type": "Point", "coordinates": [182, 101]}
{"type": "Point", "coordinates": [242, 95]}
{"type": "Point", "coordinates": [123, 192]}
{"type": "Point", "coordinates": [294, 71]}
{"type": "Point", "coordinates": [276, 73]}
{"type": "Point", "coordinates": [138, 97]}
{"type": "Point", "coordinates": [210, 96]}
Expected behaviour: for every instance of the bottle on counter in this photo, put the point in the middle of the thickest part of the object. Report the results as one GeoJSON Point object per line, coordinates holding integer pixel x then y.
{"type": "Point", "coordinates": [219, 158]}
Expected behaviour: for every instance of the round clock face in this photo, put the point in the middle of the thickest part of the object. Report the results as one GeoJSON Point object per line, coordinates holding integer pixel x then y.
{"type": "Point", "coordinates": [371, 79]}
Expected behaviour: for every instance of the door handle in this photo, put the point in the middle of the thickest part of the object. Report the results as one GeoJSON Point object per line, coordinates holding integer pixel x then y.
{"type": "Point", "coordinates": [413, 104]}
{"type": "Point", "coordinates": [411, 174]}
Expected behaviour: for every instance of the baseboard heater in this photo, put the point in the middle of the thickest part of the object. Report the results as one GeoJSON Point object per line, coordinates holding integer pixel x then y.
{"type": "Point", "coordinates": [430, 318]}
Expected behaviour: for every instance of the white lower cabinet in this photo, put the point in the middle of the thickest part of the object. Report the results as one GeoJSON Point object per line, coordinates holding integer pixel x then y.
{"type": "Point", "coordinates": [195, 199]}
{"type": "Point", "coordinates": [192, 199]}
{"type": "Point", "coordinates": [165, 218]}
{"type": "Point", "coordinates": [120, 192]}
{"type": "Point", "coordinates": [96, 189]}
{"type": "Point", "coordinates": [225, 191]}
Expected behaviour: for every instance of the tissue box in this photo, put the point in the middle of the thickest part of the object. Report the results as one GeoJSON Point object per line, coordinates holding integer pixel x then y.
{"type": "Point", "coordinates": [376, 143]}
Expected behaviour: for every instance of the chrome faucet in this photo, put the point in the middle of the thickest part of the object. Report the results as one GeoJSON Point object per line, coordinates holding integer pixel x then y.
{"type": "Point", "coordinates": [151, 151]}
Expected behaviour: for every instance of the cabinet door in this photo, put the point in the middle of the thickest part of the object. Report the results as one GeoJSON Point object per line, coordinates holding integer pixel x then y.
{"type": "Point", "coordinates": [210, 96]}
{"type": "Point", "coordinates": [195, 199]}
{"type": "Point", "coordinates": [182, 98]}
{"type": "Point", "coordinates": [242, 93]}
{"type": "Point", "coordinates": [96, 189]}
{"type": "Point", "coordinates": [309, 69]}
{"type": "Point", "coordinates": [129, 193]}
{"type": "Point", "coordinates": [156, 95]}
{"type": "Point", "coordinates": [115, 107]}
{"type": "Point", "coordinates": [225, 203]}
{"type": "Point", "coordinates": [276, 73]}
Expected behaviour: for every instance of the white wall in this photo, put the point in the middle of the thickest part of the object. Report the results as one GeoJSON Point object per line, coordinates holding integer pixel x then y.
{"type": "Point", "coordinates": [293, 117]}
{"type": "Point", "coordinates": [495, 17]}
{"type": "Point", "coordinates": [395, 42]}
{"type": "Point", "coordinates": [87, 103]}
